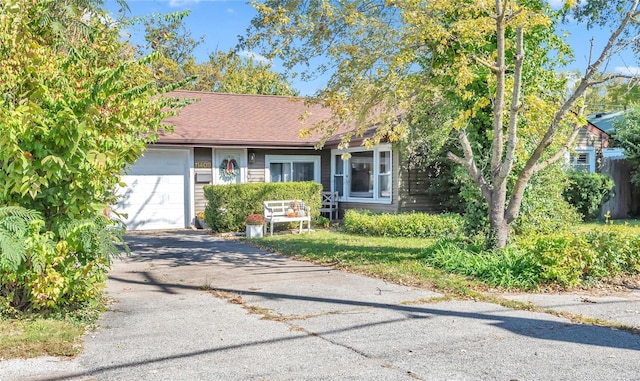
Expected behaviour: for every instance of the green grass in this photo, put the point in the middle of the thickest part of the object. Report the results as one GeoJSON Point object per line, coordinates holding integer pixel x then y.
{"type": "Point", "coordinates": [398, 260]}
{"type": "Point", "coordinates": [39, 337]}
{"type": "Point", "coordinates": [47, 334]}
{"type": "Point", "coordinates": [590, 225]}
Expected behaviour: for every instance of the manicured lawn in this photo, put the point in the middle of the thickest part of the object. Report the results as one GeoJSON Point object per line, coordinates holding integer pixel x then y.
{"type": "Point", "coordinates": [399, 260]}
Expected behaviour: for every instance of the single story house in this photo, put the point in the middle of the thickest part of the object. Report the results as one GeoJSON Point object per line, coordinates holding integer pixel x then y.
{"type": "Point", "coordinates": [233, 138]}
{"type": "Point", "coordinates": [594, 155]}
{"type": "Point", "coordinates": [592, 144]}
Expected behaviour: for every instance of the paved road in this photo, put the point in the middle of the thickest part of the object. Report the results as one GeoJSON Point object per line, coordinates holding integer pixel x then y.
{"type": "Point", "coordinates": [277, 319]}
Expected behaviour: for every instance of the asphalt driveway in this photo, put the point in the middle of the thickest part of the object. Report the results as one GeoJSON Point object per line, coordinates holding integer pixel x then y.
{"type": "Point", "coordinates": [272, 318]}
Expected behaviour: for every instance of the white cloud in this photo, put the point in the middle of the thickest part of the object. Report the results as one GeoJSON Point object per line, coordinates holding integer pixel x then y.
{"type": "Point", "coordinates": [231, 11]}
{"type": "Point", "coordinates": [627, 70]}
{"type": "Point", "coordinates": [252, 55]}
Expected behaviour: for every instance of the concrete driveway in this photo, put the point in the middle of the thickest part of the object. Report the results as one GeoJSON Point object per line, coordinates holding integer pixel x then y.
{"type": "Point", "coordinates": [272, 318]}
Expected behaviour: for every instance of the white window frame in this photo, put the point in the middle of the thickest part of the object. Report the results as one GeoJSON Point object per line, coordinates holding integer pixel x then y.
{"type": "Point", "coordinates": [591, 157]}
{"type": "Point", "coordinates": [346, 173]}
{"type": "Point", "coordinates": [268, 159]}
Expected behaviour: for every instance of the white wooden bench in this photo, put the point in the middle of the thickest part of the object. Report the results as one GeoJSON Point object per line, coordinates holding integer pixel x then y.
{"type": "Point", "coordinates": [286, 211]}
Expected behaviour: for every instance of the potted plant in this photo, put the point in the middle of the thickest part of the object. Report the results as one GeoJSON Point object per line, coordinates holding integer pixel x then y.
{"type": "Point", "coordinates": [255, 225]}
{"type": "Point", "coordinates": [200, 224]}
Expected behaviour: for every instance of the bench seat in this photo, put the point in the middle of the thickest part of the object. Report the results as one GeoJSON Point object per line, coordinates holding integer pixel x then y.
{"type": "Point", "coordinates": [277, 211]}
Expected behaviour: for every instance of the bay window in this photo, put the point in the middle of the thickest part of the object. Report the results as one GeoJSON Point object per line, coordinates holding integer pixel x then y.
{"type": "Point", "coordinates": [365, 176]}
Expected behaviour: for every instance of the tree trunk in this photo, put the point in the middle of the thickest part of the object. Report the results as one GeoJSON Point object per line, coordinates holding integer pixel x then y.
{"type": "Point", "coordinates": [499, 231]}
{"type": "Point", "coordinates": [498, 223]}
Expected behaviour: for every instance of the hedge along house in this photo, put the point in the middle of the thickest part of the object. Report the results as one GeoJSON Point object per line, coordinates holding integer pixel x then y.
{"type": "Point", "coordinates": [230, 138]}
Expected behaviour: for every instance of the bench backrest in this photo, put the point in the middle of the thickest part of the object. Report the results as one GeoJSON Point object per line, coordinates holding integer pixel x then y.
{"type": "Point", "coordinates": [330, 200]}
{"type": "Point", "coordinates": [280, 207]}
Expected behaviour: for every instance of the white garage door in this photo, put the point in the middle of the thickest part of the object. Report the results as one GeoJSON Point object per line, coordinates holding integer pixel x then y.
{"type": "Point", "coordinates": [155, 194]}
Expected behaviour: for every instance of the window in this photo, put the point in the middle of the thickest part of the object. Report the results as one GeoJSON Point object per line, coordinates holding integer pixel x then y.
{"type": "Point", "coordinates": [285, 168]}
{"type": "Point", "coordinates": [583, 159]}
{"type": "Point", "coordinates": [365, 176]}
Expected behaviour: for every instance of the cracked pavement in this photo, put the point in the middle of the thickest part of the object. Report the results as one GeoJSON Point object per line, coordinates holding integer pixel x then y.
{"type": "Point", "coordinates": [272, 318]}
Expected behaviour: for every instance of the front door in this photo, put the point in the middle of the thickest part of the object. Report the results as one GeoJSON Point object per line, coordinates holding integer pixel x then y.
{"type": "Point", "coordinates": [230, 166]}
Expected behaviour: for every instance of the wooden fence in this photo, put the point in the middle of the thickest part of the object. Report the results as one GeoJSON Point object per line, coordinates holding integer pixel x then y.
{"type": "Point", "coordinates": [626, 201]}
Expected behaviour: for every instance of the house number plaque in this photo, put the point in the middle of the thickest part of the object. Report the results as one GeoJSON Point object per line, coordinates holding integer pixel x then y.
{"type": "Point", "coordinates": [203, 164]}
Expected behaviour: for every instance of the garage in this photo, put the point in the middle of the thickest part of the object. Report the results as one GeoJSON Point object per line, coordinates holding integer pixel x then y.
{"type": "Point", "coordinates": [156, 194]}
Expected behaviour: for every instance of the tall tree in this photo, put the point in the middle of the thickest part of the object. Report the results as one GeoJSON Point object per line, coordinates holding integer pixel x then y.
{"type": "Point", "coordinates": [501, 53]}
{"type": "Point", "coordinates": [229, 72]}
{"type": "Point", "coordinates": [224, 72]}
{"type": "Point", "coordinates": [168, 36]}
{"type": "Point", "coordinates": [74, 111]}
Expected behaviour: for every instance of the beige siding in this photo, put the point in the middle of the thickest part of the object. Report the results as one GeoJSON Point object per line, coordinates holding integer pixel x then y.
{"type": "Point", "coordinates": [256, 169]}
{"type": "Point", "coordinates": [201, 155]}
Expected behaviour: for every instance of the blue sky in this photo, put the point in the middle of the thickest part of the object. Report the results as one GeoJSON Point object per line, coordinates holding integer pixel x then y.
{"type": "Point", "coordinates": [222, 21]}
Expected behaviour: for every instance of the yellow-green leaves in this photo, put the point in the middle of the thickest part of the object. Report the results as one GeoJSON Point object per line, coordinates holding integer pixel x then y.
{"type": "Point", "coordinates": [73, 110]}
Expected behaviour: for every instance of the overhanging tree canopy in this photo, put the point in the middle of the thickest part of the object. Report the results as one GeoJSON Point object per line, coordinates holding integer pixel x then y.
{"type": "Point", "coordinates": [498, 55]}
{"type": "Point", "coordinates": [75, 109]}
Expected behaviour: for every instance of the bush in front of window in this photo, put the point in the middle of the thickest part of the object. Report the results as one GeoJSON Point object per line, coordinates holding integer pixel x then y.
{"type": "Point", "coordinates": [409, 225]}
{"type": "Point", "coordinates": [229, 205]}
{"type": "Point", "coordinates": [588, 191]}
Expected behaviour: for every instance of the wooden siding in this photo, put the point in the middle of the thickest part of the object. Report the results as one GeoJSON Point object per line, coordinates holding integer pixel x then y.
{"type": "Point", "coordinates": [325, 169]}
{"type": "Point", "coordinates": [588, 138]}
{"type": "Point", "coordinates": [412, 185]}
{"type": "Point", "coordinates": [201, 155]}
{"type": "Point", "coordinates": [255, 170]}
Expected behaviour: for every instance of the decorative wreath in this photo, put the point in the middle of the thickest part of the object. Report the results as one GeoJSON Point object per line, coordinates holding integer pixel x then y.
{"type": "Point", "coordinates": [229, 169]}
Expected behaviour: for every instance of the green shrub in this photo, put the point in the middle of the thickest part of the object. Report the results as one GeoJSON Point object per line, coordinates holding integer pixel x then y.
{"type": "Point", "coordinates": [543, 209]}
{"type": "Point", "coordinates": [51, 270]}
{"type": "Point", "coordinates": [588, 191]}
{"type": "Point", "coordinates": [322, 222]}
{"type": "Point", "coordinates": [229, 205]}
{"type": "Point", "coordinates": [563, 258]}
{"type": "Point", "coordinates": [409, 225]}
{"type": "Point", "coordinates": [506, 268]}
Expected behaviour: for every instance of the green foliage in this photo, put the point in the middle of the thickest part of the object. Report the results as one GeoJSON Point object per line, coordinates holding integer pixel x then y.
{"type": "Point", "coordinates": [51, 270]}
{"type": "Point", "coordinates": [627, 136]}
{"type": "Point", "coordinates": [229, 205]}
{"type": "Point", "coordinates": [76, 108]}
{"type": "Point", "coordinates": [322, 222]}
{"type": "Point", "coordinates": [409, 225]}
{"type": "Point", "coordinates": [224, 72]}
{"type": "Point", "coordinates": [588, 191]}
{"type": "Point", "coordinates": [506, 268]}
{"type": "Point", "coordinates": [495, 62]}
{"type": "Point", "coordinates": [72, 118]}
{"type": "Point", "coordinates": [562, 258]}
{"type": "Point", "coordinates": [544, 209]}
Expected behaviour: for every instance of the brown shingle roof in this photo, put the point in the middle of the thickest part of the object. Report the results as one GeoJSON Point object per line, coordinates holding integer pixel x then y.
{"type": "Point", "coordinates": [242, 120]}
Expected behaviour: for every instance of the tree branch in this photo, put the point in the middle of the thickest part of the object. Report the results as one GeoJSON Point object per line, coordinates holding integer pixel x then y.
{"type": "Point", "coordinates": [512, 138]}
{"type": "Point", "coordinates": [579, 91]}
{"type": "Point", "coordinates": [498, 104]}
{"type": "Point", "coordinates": [469, 164]}
{"type": "Point", "coordinates": [485, 63]}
